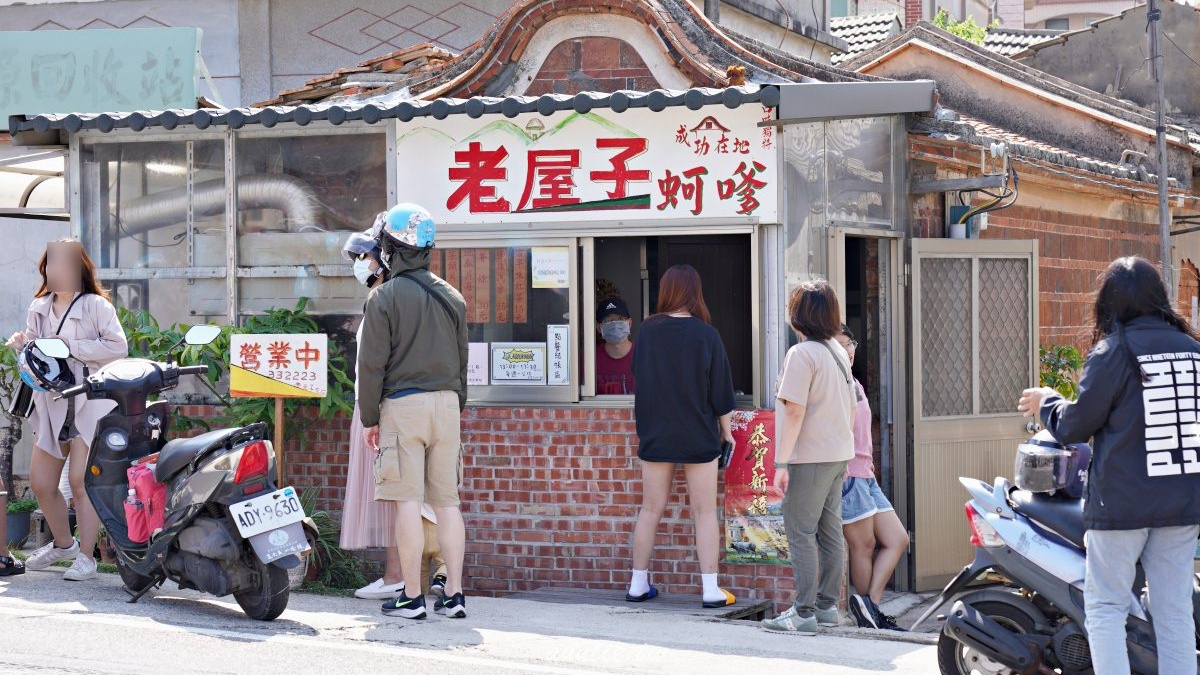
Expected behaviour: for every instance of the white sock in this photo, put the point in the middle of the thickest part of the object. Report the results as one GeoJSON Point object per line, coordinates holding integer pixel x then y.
{"type": "Point", "coordinates": [712, 592]}
{"type": "Point", "coordinates": [640, 583]}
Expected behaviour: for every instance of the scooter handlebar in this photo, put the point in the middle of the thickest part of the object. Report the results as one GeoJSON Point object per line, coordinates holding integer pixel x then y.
{"type": "Point", "coordinates": [73, 391]}
{"type": "Point", "coordinates": [193, 370]}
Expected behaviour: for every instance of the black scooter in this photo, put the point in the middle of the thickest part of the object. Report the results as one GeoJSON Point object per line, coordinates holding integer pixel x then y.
{"type": "Point", "coordinates": [228, 529]}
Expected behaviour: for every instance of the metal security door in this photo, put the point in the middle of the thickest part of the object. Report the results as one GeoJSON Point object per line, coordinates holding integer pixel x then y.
{"type": "Point", "coordinates": [975, 327]}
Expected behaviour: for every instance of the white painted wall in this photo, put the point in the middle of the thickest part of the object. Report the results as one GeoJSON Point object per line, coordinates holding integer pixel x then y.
{"type": "Point", "coordinates": [24, 241]}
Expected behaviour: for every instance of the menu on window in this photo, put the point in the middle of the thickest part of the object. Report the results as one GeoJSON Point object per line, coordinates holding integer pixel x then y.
{"type": "Point", "coordinates": [558, 343]}
{"type": "Point", "coordinates": [518, 363]}
{"type": "Point", "coordinates": [551, 267]}
{"type": "Point", "coordinates": [503, 297]}
{"type": "Point", "coordinates": [477, 364]}
{"type": "Point", "coordinates": [521, 286]}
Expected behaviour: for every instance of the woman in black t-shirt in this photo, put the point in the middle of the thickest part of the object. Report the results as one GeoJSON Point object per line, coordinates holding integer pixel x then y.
{"type": "Point", "coordinates": [683, 404]}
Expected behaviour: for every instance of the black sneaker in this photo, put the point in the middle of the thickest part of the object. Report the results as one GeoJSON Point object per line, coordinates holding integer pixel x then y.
{"type": "Point", "coordinates": [438, 585]}
{"type": "Point", "coordinates": [454, 607]}
{"type": "Point", "coordinates": [889, 623]}
{"type": "Point", "coordinates": [405, 607]}
{"type": "Point", "coordinates": [864, 611]}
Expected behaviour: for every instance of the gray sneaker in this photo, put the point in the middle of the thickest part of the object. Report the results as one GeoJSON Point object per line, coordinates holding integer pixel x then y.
{"type": "Point", "coordinates": [791, 622]}
{"type": "Point", "coordinates": [46, 556]}
{"type": "Point", "coordinates": [829, 617]}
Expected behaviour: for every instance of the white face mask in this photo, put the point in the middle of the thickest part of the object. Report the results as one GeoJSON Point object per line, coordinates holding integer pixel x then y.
{"type": "Point", "coordinates": [363, 271]}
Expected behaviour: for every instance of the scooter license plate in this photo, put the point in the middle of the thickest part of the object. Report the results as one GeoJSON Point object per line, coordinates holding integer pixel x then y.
{"type": "Point", "coordinates": [267, 512]}
{"type": "Point", "coordinates": [273, 545]}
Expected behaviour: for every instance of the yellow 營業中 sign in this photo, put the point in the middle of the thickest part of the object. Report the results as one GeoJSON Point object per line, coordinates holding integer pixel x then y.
{"type": "Point", "coordinates": [279, 366]}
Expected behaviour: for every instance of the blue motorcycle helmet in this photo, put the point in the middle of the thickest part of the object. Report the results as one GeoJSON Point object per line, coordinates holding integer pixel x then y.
{"type": "Point", "coordinates": [43, 373]}
{"type": "Point", "coordinates": [408, 225]}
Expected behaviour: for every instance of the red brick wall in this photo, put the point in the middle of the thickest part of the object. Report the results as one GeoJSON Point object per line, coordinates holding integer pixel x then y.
{"type": "Point", "coordinates": [592, 64]}
{"type": "Point", "coordinates": [550, 497]}
{"type": "Point", "coordinates": [1189, 286]}
{"type": "Point", "coordinates": [912, 12]}
{"type": "Point", "coordinates": [1074, 249]}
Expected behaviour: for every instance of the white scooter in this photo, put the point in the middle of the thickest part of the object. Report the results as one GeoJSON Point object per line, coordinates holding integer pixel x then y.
{"type": "Point", "coordinates": [1018, 607]}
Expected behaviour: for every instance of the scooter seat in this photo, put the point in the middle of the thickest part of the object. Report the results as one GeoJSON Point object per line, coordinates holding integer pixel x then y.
{"type": "Point", "coordinates": [1060, 515]}
{"type": "Point", "coordinates": [178, 453]}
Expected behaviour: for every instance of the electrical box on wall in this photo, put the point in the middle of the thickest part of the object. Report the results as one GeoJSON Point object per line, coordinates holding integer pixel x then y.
{"type": "Point", "coordinates": [966, 230]}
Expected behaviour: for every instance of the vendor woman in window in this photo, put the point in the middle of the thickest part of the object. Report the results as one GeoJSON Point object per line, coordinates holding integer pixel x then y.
{"type": "Point", "coordinates": [614, 354]}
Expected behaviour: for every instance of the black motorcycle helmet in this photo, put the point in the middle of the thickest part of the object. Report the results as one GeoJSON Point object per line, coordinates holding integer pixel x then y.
{"type": "Point", "coordinates": [1046, 465]}
{"type": "Point", "coordinates": [44, 373]}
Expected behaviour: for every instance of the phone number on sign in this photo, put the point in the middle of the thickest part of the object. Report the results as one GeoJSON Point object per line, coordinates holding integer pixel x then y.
{"type": "Point", "coordinates": [292, 375]}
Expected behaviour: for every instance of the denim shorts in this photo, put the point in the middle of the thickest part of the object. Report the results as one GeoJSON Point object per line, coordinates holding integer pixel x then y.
{"type": "Point", "coordinates": [862, 498]}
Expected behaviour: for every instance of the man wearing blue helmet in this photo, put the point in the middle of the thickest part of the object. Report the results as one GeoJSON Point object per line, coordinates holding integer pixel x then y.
{"type": "Point", "coordinates": [412, 370]}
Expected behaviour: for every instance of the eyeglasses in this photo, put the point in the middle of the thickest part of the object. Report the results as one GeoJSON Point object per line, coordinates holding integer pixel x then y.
{"type": "Point", "coordinates": [850, 345]}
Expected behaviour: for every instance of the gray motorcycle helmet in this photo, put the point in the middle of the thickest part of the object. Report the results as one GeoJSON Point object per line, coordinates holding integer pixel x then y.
{"type": "Point", "coordinates": [1045, 465]}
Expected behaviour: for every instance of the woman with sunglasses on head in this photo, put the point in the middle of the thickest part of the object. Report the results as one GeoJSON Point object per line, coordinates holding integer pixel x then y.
{"type": "Point", "coordinates": [70, 304]}
{"type": "Point", "coordinates": [875, 537]}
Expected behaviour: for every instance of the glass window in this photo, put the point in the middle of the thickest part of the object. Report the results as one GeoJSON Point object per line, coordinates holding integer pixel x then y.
{"type": "Point", "coordinates": [859, 169]}
{"type": "Point", "coordinates": [299, 198]}
{"type": "Point", "coordinates": [1058, 24]}
{"type": "Point", "coordinates": [627, 271]}
{"type": "Point", "coordinates": [840, 8]}
{"type": "Point", "coordinates": [804, 176]}
{"type": "Point", "coordinates": [519, 317]}
{"type": "Point", "coordinates": [158, 206]}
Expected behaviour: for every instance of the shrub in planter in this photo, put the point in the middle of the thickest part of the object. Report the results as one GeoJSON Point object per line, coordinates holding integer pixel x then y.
{"type": "Point", "coordinates": [19, 511]}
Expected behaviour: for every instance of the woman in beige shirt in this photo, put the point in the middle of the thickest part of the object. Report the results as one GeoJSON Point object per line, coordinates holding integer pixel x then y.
{"type": "Point", "coordinates": [70, 297]}
{"type": "Point", "coordinates": [814, 441]}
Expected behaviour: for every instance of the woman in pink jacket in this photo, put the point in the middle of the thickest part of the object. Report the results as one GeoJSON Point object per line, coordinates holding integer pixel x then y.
{"type": "Point", "coordinates": [71, 305]}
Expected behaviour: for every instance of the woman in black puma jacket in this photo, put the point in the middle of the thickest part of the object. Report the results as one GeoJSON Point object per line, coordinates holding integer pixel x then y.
{"type": "Point", "coordinates": [1138, 405]}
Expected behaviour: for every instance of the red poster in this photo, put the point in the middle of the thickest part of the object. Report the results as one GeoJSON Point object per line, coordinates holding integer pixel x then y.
{"type": "Point", "coordinates": [468, 283]}
{"type": "Point", "coordinates": [754, 530]}
{"type": "Point", "coordinates": [452, 273]}
{"type": "Point", "coordinates": [483, 286]}
{"type": "Point", "coordinates": [502, 285]}
{"type": "Point", "coordinates": [521, 286]}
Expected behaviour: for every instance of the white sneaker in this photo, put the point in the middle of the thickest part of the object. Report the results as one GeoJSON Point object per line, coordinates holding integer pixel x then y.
{"type": "Point", "coordinates": [82, 569]}
{"type": "Point", "coordinates": [46, 556]}
{"type": "Point", "coordinates": [377, 590]}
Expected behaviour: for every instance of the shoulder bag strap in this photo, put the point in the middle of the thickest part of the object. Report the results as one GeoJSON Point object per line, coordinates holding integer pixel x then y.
{"type": "Point", "coordinates": [62, 322]}
{"type": "Point", "coordinates": [845, 373]}
{"type": "Point", "coordinates": [436, 296]}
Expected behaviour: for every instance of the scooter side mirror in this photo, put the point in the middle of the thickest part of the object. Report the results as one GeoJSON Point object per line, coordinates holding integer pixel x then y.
{"type": "Point", "coordinates": [201, 335]}
{"type": "Point", "coordinates": [54, 348]}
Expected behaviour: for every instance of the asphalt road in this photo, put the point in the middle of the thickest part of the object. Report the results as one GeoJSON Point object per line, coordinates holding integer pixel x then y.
{"type": "Point", "coordinates": [48, 625]}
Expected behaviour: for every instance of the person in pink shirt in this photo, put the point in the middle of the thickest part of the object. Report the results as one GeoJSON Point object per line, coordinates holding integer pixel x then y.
{"type": "Point", "coordinates": [875, 537]}
{"type": "Point", "coordinates": [614, 354]}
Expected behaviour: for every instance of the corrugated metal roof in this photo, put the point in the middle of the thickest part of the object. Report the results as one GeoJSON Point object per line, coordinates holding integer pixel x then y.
{"type": "Point", "coordinates": [375, 110]}
{"type": "Point", "coordinates": [1010, 41]}
{"type": "Point", "coordinates": [863, 32]}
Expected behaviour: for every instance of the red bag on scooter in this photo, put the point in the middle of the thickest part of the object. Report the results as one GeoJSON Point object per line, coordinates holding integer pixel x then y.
{"type": "Point", "coordinates": [151, 493]}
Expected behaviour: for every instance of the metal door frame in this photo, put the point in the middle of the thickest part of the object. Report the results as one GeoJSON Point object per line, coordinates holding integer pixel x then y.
{"type": "Point", "coordinates": [946, 429]}
{"type": "Point", "coordinates": [893, 339]}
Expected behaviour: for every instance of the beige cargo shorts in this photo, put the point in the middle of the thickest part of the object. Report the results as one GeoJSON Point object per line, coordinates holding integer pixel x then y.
{"type": "Point", "coordinates": [420, 449]}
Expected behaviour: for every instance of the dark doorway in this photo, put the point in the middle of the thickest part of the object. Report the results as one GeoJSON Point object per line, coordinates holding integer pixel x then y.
{"type": "Point", "coordinates": [723, 262]}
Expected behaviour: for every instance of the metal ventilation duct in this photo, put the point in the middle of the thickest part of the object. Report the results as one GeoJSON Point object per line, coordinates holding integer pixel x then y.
{"type": "Point", "coordinates": [291, 195]}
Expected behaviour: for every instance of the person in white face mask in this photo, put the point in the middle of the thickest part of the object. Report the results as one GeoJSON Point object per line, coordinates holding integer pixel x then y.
{"type": "Point", "coordinates": [614, 355]}
{"type": "Point", "coordinates": [367, 523]}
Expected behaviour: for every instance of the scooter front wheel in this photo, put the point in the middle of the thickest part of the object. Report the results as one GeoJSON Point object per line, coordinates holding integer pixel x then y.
{"type": "Point", "coordinates": [955, 658]}
{"type": "Point", "coordinates": [269, 598]}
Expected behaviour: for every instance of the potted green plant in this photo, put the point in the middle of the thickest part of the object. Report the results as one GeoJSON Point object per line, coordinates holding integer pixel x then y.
{"type": "Point", "coordinates": [19, 511]}
{"type": "Point", "coordinates": [327, 566]}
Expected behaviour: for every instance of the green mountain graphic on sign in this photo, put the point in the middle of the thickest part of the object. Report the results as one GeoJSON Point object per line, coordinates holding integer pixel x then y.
{"type": "Point", "coordinates": [508, 128]}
